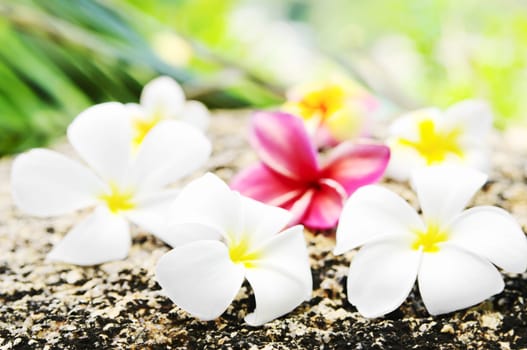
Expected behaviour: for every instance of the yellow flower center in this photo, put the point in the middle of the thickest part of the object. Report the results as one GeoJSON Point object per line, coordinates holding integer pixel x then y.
{"type": "Point", "coordinates": [429, 239]}
{"type": "Point", "coordinates": [434, 145]}
{"type": "Point", "coordinates": [118, 200]}
{"type": "Point", "coordinates": [240, 253]}
{"type": "Point", "coordinates": [142, 127]}
{"type": "Point", "coordinates": [322, 103]}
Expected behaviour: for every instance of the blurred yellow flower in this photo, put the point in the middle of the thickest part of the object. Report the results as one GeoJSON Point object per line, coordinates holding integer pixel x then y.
{"type": "Point", "coordinates": [429, 136]}
{"type": "Point", "coordinates": [163, 99]}
{"type": "Point", "coordinates": [333, 111]}
{"type": "Point", "coordinates": [432, 144]}
{"type": "Point", "coordinates": [172, 49]}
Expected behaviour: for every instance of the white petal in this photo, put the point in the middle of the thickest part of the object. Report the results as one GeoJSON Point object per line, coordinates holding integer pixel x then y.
{"type": "Point", "coordinates": [171, 150]}
{"type": "Point", "coordinates": [200, 278]}
{"type": "Point", "coordinates": [492, 233]}
{"type": "Point", "coordinates": [135, 110]}
{"type": "Point", "coordinates": [381, 276]}
{"type": "Point", "coordinates": [281, 279]}
{"type": "Point", "coordinates": [180, 234]}
{"type": "Point", "coordinates": [403, 161]}
{"type": "Point", "coordinates": [101, 237]}
{"type": "Point", "coordinates": [477, 158]}
{"type": "Point", "coordinates": [453, 279]}
{"type": "Point", "coordinates": [152, 212]}
{"type": "Point", "coordinates": [163, 95]}
{"type": "Point", "coordinates": [444, 190]}
{"type": "Point", "coordinates": [102, 135]}
{"type": "Point", "coordinates": [473, 116]}
{"type": "Point", "coordinates": [371, 213]}
{"type": "Point", "coordinates": [407, 125]}
{"type": "Point", "coordinates": [262, 221]}
{"type": "Point", "coordinates": [208, 201]}
{"type": "Point", "coordinates": [195, 113]}
{"type": "Point", "coordinates": [45, 183]}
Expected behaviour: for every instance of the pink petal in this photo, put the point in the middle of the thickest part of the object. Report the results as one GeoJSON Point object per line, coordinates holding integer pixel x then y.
{"type": "Point", "coordinates": [282, 143]}
{"type": "Point", "coordinates": [370, 103]}
{"type": "Point", "coordinates": [265, 185]}
{"type": "Point", "coordinates": [298, 206]}
{"type": "Point", "coordinates": [326, 205]}
{"type": "Point", "coordinates": [323, 137]}
{"type": "Point", "coordinates": [353, 165]}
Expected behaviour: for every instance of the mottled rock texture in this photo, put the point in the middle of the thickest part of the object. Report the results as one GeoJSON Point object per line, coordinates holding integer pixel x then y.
{"type": "Point", "coordinates": [119, 305]}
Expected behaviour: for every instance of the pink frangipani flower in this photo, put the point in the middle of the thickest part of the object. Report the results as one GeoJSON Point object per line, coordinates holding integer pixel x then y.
{"type": "Point", "coordinates": [291, 175]}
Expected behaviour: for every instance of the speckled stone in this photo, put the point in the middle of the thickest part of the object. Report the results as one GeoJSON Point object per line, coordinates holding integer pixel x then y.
{"type": "Point", "coordinates": [119, 305]}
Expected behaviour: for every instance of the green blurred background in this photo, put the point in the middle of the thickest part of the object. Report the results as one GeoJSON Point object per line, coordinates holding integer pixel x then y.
{"type": "Point", "coordinates": [58, 57]}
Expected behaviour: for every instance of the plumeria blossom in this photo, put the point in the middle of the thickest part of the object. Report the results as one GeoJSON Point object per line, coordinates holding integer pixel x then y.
{"type": "Point", "coordinates": [429, 137]}
{"type": "Point", "coordinates": [333, 111]}
{"type": "Point", "coordinates": [122, 181]}
{"type": "Point", "coordinates": [449, 251]}
{"type": "Point", "coordinates": [221, 238]}
{"type": "Point", "coordinates": [164, 99]}
{"type": "Point", "coordinates": [292, 176]}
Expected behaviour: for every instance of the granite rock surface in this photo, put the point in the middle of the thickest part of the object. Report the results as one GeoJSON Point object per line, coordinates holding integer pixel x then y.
{"type": "Point", "coordinates": [118, 305]}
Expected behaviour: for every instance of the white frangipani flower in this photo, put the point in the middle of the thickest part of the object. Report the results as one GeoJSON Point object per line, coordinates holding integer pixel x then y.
{"type": "Point", "coordinates": [451, 252]}
{"type": "Point", "coordinates": [430, 137]}
{"type": "Point", "coordinates": [125, 183]}
{"type": "Point", "coordinates": [221, 238]}
{"type": "Point", "coordinates": [164, 99]}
